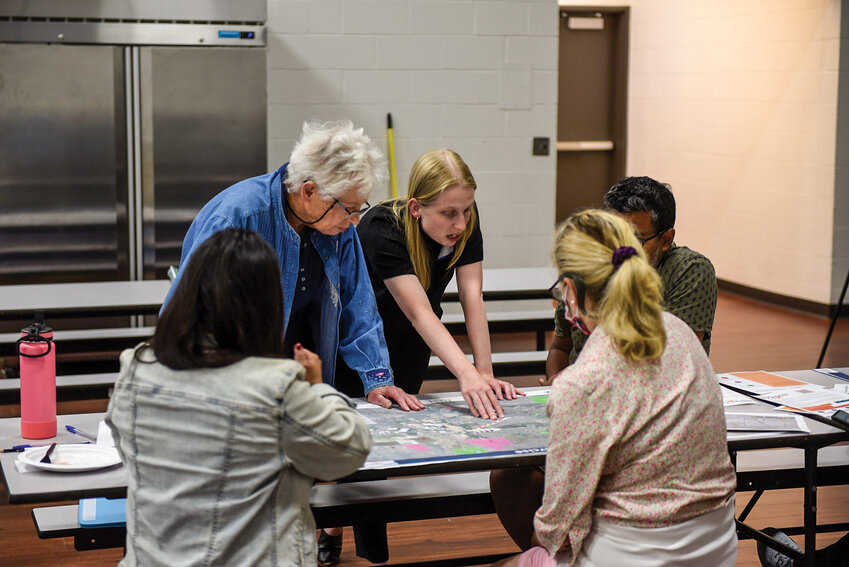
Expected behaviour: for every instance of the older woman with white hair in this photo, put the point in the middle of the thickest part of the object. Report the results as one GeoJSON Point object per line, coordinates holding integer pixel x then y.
{"type": "Point", "coordinates": [306, 210]}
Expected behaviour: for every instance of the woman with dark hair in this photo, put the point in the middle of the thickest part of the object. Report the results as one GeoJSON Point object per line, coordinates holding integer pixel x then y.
{"type": "Point", "coordinates": [221, 436]}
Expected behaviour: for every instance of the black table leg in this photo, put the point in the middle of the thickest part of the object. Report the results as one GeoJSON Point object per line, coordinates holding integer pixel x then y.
{"type": "Point", "coordinates": [810, 506]}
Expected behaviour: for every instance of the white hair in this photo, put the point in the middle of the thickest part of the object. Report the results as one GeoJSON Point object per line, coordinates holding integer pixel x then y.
{"type": "Point", "coordinates": [337, 158]}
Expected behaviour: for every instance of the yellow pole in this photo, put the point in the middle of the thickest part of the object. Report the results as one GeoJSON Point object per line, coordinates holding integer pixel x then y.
{"type": "Point", "coordinates": [393, 181]}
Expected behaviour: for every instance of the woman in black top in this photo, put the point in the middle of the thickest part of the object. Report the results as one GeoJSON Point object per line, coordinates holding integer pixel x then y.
{"type": "Point", "coordinates": [412, 247]}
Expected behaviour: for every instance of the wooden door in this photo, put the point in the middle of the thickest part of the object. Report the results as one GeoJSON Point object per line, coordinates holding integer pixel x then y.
{"type": "Point", "coordinates": [592, 104]}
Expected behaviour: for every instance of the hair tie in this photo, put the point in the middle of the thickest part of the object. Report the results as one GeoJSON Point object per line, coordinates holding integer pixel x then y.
{"type": "Point", "coordinates": [621, 254]}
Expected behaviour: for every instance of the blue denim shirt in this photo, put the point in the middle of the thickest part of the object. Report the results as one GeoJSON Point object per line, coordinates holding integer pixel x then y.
{"type": "Point", "coordinates": [349, 318]}
{"type": "Point", "coordinates": [220, 461]}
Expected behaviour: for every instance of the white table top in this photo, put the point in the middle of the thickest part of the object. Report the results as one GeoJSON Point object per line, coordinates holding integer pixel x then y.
{"type": "Point", "coordinates": [511, 283]}
{"type": "Point", "coordinates": [44, 486]}
{"type": "Point", "coordinates": [79, 299]}
{"type": "Point", "coordinates": [41, 486]}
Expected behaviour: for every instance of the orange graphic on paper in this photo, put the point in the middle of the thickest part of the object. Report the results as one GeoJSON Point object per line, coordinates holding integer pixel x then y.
{"type": "Point", "coordinates": [768, 379]}
{"type": "Point", "coordinates": [820, 407]}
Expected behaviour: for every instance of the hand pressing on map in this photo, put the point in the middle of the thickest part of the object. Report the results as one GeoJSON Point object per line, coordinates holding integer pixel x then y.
{"type": "Point", "coordinates": [482, 393]}
{"type": "Point", "coordinates": [385, 395]}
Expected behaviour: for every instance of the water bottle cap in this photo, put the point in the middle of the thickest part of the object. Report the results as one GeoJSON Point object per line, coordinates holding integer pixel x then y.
{"type": "Point", "coordinates": [38, 326]}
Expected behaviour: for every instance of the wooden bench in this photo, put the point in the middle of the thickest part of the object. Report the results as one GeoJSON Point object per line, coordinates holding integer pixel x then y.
{"type": "Point", "coordinates": [391, 500]}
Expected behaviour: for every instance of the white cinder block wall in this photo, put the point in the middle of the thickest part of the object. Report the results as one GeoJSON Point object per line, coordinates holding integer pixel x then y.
{"type": "Point", "coordinates": [478, 77]}
{"type": "Point", "coordinates": [735, 104]}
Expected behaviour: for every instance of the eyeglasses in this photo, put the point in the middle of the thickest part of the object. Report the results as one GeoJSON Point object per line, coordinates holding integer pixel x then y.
{"type": "Point", "coordinates": [554, 291]}
{"type": "Point", "coordinates": [645, 239]}
{"type": "Point", "coordinates": [350, 213]}
{"type": "Point", "coordinates": [557, 294]}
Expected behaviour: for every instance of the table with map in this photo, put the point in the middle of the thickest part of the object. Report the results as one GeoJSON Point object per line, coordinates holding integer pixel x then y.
{"type": "Point", "coordinates": [446, 436]}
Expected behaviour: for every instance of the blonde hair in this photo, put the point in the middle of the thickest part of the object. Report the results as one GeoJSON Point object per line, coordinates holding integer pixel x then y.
{"type": "Point", "coordinates": [433, 173]}
{"type": "Point", "coordinates": [628, 296]}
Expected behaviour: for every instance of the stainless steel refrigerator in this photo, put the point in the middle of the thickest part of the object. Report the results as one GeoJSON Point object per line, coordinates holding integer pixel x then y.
{"type": "Point", "coordinates": [118, 121]}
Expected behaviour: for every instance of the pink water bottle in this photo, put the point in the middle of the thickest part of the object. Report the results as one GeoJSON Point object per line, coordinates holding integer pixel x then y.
{"type": "Point", "coordinates": [38, 380]}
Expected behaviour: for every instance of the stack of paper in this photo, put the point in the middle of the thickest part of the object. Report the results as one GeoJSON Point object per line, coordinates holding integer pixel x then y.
{"type": "Point", "coordinates": [788, 393]}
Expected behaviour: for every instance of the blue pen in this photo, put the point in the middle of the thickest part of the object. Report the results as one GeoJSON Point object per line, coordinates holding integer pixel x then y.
{"type": "Point", "coordinates": [833, 372]}
{"type": "Point", "coordinates": [19, 448]}
{"type": "Point", "coordinates": [73, 429]}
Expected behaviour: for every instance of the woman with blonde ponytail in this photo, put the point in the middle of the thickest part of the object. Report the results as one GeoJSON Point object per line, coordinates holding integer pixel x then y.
{"type": "Point", "coordinates": [637, 470]}
{"type": "Point", "coordinates": [594, 248]}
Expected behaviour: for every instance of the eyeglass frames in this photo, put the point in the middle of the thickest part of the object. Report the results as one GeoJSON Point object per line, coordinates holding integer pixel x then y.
{"type": "Point", "coordinates": [556, 292]}
{"type": "Point", "coordinates": [643, 240]}
{"type": "Point", "coordinates": [350, 213]}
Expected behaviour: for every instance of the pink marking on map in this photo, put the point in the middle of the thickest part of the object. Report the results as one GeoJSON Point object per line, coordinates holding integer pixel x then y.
{"type": "Point", "coordinates": [493, 444]}
{"type": "Point", "coordinates": [417, 447]}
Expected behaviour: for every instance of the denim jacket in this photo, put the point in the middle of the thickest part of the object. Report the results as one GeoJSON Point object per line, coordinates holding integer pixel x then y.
{"type": "Point", "coordinates": [350, 321]}
{"type": "Point", "coordinates": [220, 461]}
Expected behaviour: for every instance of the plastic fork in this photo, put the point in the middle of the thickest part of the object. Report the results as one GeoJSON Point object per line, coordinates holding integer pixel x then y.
{"type": "Point", "coordinates": [46, 457]}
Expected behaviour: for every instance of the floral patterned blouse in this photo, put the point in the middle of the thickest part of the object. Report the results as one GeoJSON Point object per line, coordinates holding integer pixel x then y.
{"type": "Point", "coordinates": [642, 444]}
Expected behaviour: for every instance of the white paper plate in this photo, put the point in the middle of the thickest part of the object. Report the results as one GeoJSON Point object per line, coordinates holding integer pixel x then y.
{"type": "Point", "coordinates": [72, 458]}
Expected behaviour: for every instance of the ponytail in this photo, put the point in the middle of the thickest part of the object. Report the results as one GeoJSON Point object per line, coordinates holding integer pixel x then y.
{"type": "Point", "coordinates": [630, 311]}
{"type": "Point", "coordinates": [601, 249]}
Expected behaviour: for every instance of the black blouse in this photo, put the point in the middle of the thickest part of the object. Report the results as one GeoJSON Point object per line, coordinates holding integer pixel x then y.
{"type": "Point", "coordinates": [386, 254]}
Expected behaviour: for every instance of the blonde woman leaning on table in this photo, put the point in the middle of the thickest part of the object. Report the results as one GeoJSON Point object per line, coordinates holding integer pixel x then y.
{"type": "Point", "coordinates": [221, 436]}
{"type": "Point", "coordinates": [412, 247]}
{"type": "Point", "coordinates": [637, 471]}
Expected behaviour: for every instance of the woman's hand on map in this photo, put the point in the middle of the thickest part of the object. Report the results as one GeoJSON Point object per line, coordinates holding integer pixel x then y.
{"type": "Point", "coordinates": [503, 390]}
{"type": "Point", "coordinates": [385, 395]}
{"type": "Point", "coordinates": [482, 393]}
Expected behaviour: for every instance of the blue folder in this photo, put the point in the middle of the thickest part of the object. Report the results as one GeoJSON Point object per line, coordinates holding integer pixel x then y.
{"type": "Point", "coordinates": [103, 512]}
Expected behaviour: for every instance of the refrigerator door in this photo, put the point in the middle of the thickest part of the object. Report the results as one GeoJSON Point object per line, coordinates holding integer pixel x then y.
{"type": "Point", "coordinates": [203, 128]}
{"type": "Point", "coordinates": [63, 180]}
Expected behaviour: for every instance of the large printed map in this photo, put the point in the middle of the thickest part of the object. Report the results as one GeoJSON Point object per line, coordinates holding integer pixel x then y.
{"type": "Point", "coordinates": [446, 430]}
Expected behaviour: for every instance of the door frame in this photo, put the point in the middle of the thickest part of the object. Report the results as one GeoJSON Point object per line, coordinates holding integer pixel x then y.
{"type": "Point", "coordinates": [619, 134]}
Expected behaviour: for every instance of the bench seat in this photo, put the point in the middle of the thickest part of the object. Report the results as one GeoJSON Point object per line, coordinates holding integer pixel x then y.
{"type": "Point", "coordinates": [391, 500]}
{"type": "Point", "coordinates": [539, 321]}
{"type": "Point", "coordinates": [68, 388]}
{"type": "Point", "coordinates": [83, 351]}
{"type": "Point", "coordinates": [504, 364]}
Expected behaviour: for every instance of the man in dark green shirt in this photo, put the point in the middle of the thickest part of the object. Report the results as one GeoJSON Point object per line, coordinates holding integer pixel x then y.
{"type": "Point", "coordinates": [688, 278]}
